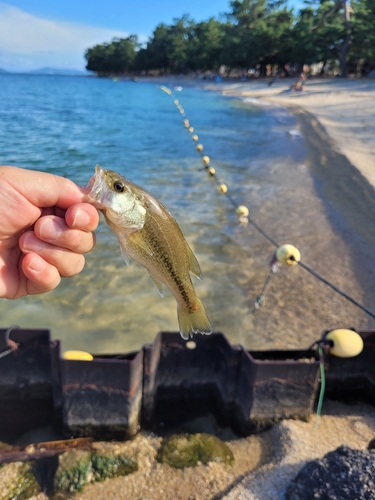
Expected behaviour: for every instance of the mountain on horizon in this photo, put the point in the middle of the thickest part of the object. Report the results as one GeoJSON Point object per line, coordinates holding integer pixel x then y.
{"type": "Point", "coordinates": [59, 71]}
{"type": "Point", "coordinates": [3, 70]}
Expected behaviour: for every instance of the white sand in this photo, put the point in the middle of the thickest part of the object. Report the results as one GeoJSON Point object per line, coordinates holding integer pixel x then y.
{"type": "Point", "coordinates": [345, 108]}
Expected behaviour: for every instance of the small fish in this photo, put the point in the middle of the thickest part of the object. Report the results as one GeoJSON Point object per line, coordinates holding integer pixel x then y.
{"type": "Point", "coordinates": [149, 234]}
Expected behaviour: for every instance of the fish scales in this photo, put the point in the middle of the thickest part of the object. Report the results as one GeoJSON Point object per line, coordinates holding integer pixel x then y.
{"type": "Point", "coordinates": [150, 235]}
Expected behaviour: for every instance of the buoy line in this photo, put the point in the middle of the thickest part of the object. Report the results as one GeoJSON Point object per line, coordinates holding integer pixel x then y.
{"type": "Point", "coordinates": [285, 254]}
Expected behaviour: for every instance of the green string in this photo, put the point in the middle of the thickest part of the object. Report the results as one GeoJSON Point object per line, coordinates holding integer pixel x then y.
{"type": "Point", "coordinates": [322, 387]}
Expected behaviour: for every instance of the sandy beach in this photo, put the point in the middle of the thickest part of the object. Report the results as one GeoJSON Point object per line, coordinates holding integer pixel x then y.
{"type": "Point", "coordinates": [345, 108]}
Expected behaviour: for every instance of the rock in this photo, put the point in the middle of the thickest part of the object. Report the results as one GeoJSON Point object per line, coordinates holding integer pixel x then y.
{"type": "Point", "coordinates": [112, 466]}
{"type": "Point", "coordinates": [18, 481]}
{"type": "Point", "coordinates": [78, 468]}
{"type": "Point", "coordinates": [343, 474]}
{"type": "Point", "coordinates": [189, 450]}
{"type": "Point", "coordinates": [74, 471]}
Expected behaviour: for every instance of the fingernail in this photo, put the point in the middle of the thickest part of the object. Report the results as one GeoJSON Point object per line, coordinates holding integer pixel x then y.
{"type": "Point", "coordinates": [37, 264]}
{"type": "Point", "coordinates": [31, 243]}
{"type": "Point", "coordinates": [81, 219]}
{"type": "Point", "coordinates": [50, 228]}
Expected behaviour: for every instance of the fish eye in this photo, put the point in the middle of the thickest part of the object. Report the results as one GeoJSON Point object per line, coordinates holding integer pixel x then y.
{"type": "Point", "coordinates": [118, 186]}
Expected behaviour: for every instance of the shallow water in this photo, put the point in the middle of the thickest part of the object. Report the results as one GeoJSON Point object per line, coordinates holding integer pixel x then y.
{"type": "Point", "coordinates": [66, 125]}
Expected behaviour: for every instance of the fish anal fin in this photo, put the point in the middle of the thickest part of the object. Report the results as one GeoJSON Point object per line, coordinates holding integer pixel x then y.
{"type": "Point", "coordinates": [158, 284]}
{"type": "Point", "coordinates": [194, 266]}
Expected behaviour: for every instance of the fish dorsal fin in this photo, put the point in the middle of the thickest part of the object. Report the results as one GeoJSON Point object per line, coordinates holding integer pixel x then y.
{"type": "Point", "coordinates": [137, 239]}
{"type": "Point", "coordinates": [194, 266]}
{"type": "Point", "coordinates": [158, 284]}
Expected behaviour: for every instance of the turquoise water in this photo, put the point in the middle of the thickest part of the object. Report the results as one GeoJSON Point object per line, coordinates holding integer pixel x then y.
{"type": "Point", "coordinates": [66, 125]}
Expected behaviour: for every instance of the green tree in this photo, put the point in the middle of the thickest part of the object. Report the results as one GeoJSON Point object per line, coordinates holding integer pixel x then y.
{"type": "Point", "coordinates": [116, 57]}
{"type": "Point", "coordinates": [205, 47]}
{"type": "Point", "coordinates": [260, 32]}
{"type": "Point", "coordinates": [362, 49]}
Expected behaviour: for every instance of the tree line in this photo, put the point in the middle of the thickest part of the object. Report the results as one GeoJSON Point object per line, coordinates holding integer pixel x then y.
{"type": "Point", "coordinates": [253, 34]}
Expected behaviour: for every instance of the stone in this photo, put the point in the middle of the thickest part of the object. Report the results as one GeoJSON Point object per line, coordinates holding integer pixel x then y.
{"type": "Point", "coordinates": [342, 474]}
{"type": "Point", "coordinates": [78, 468]}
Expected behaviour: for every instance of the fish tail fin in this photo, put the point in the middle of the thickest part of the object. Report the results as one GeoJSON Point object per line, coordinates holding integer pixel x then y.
{"type": "Point", "coordinates": [193, 321]}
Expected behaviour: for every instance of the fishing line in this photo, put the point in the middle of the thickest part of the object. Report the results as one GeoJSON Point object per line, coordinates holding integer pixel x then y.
{"type": "Point", "coordinates": [245, 218]}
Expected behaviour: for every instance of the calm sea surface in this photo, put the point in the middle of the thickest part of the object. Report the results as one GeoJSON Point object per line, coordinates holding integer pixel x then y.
{"type": "Point", "coordinates": [66, 125]}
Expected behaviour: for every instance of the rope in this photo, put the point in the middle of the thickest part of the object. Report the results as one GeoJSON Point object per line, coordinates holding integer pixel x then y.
{"type": "Point", "coordinates": [322, 388]}
{"type": "Point", "coordinates": [274, 242]}
{"type": "Point", "coordinates": [336, 289]}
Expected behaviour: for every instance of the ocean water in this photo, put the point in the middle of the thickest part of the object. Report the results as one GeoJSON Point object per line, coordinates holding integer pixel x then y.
{"type": "Point", "coordinates": [66, 125]}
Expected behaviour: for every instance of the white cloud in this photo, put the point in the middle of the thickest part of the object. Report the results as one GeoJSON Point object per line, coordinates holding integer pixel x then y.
{"type": "Point", "coordinates": [29, 42]}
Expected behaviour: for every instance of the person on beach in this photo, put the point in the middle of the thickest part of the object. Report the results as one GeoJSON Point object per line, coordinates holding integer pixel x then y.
{"type": "Point", "coordinates": [45, 228]}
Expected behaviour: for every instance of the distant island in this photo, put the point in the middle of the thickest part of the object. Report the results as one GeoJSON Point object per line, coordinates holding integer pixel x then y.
{"type": "Point", "coordinates": [3, 70]}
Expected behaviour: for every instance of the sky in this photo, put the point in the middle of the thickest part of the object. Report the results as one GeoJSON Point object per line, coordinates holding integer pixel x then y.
{"type": "Point", "coordinates": [55, 33]}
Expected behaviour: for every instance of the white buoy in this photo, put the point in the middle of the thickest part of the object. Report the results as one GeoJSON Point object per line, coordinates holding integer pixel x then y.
{"type": "Point", "coordinates": [242, 211]}
{"type": "Point", "coordinates": [288, 255]}
{"type": "Point", "coordinates": [346, 343]}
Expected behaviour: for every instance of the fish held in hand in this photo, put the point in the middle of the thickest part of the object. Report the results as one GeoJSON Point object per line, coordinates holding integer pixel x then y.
{"type": "Point", "coordinates": [149, 234]}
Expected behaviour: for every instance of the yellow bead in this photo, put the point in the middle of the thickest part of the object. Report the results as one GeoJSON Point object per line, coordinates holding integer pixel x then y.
{"type": "Point", "coordinates": [206, 160]}
{"type": "Point", "coordinates": [186, 121]}
{"type": "Point", "coordinates": [211, 171]}
{"type": "Point", "coordinates": [346, 343]}
{"type": "Point", "coordinates": [199, 148]}
{"type": "Point", "coordinates": [191, 130]}
{"type": "Point", "coordinates": [242, 211]}
{"type": "Point", "coordinates": [187, 125]}
{"type": "Point", "coordinates": [223, 188]}
{"type": "Point", "coordinates": [195, 137]}
{"type": "Point", "coordinates": [78, 355]}
{"type": "Point", "coordinates": [182, 111]}
{"type": "Point", "coordinates": [288, 255]}
{"type": "Point", "coordinates": [176, 102]}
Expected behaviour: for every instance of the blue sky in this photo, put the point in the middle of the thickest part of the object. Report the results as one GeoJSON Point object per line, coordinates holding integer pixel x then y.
{"type": "Point", "coordinates": [39, 33]}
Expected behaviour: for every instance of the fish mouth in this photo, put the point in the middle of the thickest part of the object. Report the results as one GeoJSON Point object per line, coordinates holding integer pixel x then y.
{"type": "Point", "coordinates": [96, 184]}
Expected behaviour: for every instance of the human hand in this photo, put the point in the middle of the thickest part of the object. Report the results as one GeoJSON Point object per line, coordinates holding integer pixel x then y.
{"type": "Point", "coordinates": [45, 227]}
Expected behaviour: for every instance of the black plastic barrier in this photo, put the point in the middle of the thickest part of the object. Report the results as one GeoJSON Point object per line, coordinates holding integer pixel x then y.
{"type": "Point", "coordinates": [166, 383]}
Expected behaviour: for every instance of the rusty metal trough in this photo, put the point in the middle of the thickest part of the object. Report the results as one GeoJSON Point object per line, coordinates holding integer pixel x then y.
{"type": "Point", "coordinates": [166, 383]}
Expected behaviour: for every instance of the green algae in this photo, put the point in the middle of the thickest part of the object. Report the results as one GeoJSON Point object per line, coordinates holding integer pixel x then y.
{"type": "Point", "coordinates": [74, 471]}
{"type": "Point", "coordinates": [189, 450]}
{"type": "Point", "coordinates": [112, 466]}
{"type": "Point", "coordinates": [18, 481]}
{"type": "Point", "coordinates": [78, 468]}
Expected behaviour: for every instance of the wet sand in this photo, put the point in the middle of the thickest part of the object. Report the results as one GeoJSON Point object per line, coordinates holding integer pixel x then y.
{"type": "Point", "coordinates": [337, 121]}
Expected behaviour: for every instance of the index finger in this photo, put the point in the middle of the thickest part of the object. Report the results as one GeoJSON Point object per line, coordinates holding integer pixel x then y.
{"type": "Point", "coordinates": [43, 189]}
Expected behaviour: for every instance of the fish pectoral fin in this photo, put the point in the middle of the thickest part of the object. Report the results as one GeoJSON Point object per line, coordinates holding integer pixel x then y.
{"type": "Point", "coordinates": [125, 256]}
{"type": "Point", "coordinates": [158, 284]}
{"type": "Point", "coordinates": [137, 239]}
{"type": "Point", "coordinates": [194, 266]}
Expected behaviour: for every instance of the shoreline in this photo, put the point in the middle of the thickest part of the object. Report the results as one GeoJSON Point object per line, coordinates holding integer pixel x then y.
{"type": "Point", "coordinates": [345, 109]}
